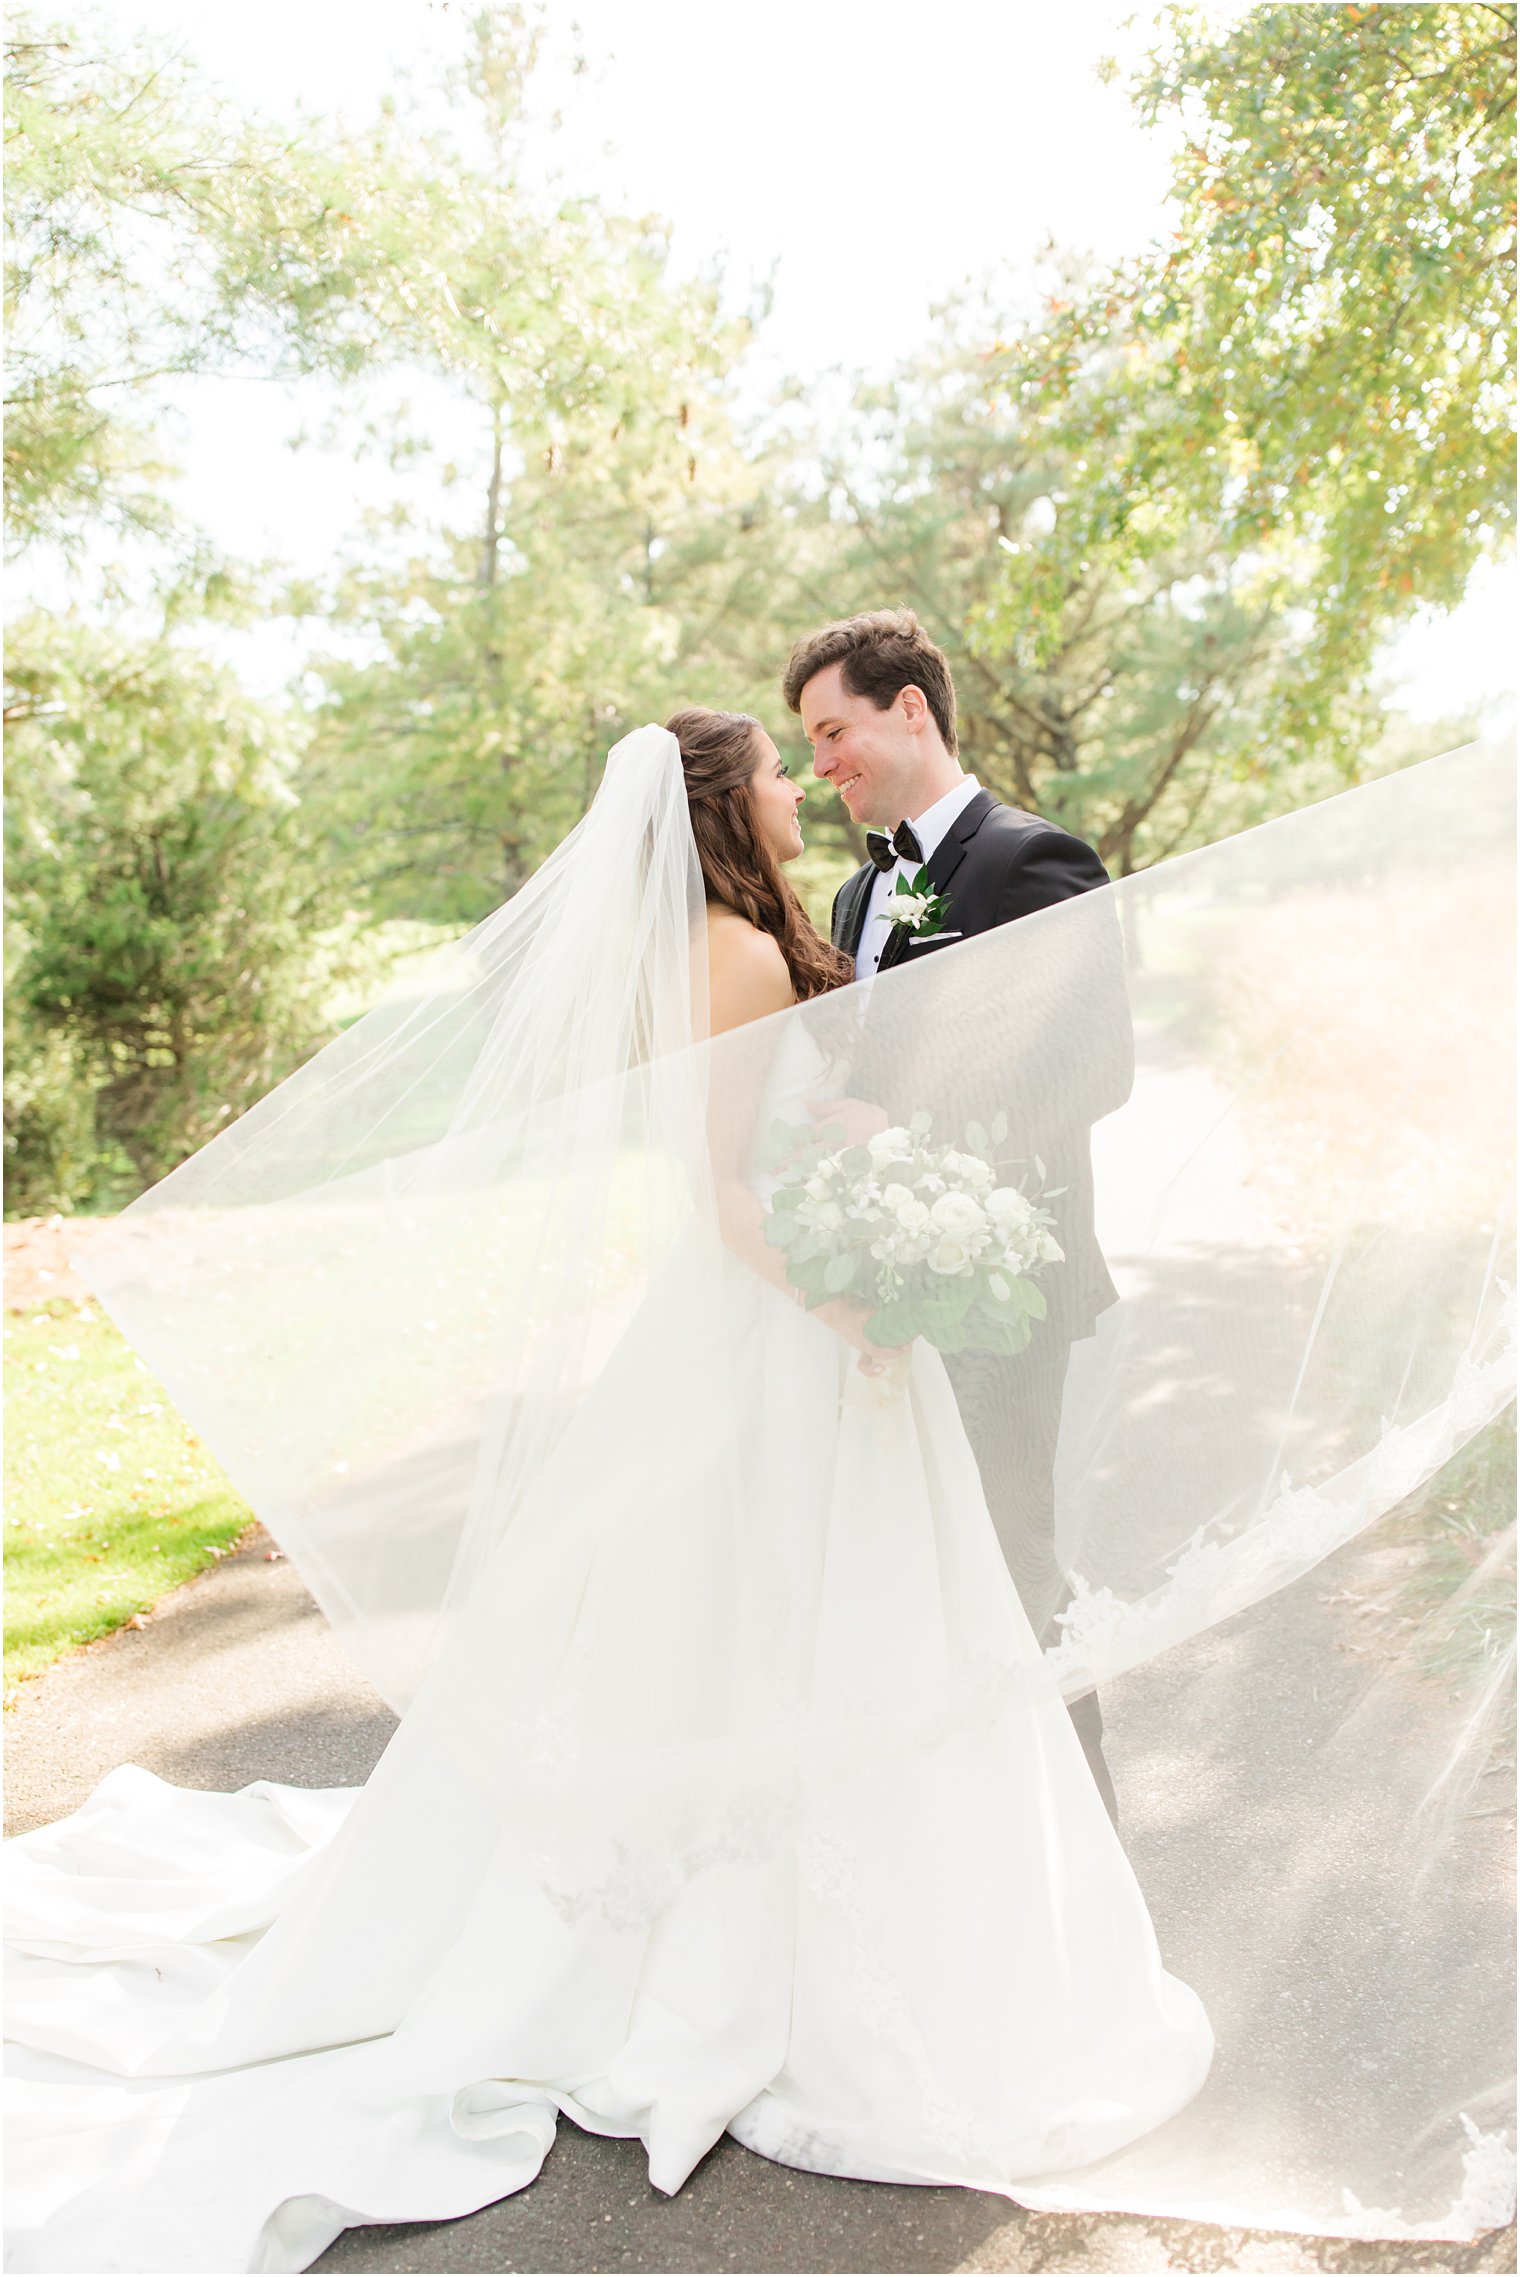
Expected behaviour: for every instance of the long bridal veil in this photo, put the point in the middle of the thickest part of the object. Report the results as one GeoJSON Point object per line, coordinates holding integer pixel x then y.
{"type": "Point", "coordinates": [1265, 1091]}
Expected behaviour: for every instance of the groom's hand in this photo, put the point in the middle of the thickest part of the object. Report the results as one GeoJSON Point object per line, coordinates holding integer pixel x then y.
{"type": "Point", "coordinates": [855, 1120]}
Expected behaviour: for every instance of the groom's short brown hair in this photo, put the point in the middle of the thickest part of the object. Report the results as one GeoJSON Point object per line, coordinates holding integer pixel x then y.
{"type": "Point", "coordinates": [881, 652]}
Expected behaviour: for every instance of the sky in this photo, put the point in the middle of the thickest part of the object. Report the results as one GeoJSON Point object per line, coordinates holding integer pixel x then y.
{"type": "Point", "coordinates": [865, 158]}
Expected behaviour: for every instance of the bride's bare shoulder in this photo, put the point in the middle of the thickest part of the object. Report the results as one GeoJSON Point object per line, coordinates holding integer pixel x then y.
{"type": "Point", "coordinates": [747, 975]}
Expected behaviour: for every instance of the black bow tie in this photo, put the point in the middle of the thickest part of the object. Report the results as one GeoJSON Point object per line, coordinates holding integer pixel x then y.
{"type": "Point", "coordinates": [902, 846]}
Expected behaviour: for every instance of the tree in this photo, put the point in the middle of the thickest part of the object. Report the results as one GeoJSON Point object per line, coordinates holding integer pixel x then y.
{"type": "Point", "coordinates": [1130, 705]}
{"type": "Point", "coordinates": [615, 561]}
{"type": "Point", "coordinates": [153, 233]}
{"type": "Point", "coordinates": [1321, 358]}
{"type": "Point", "coordinates": [149, 234]}
{"type": "Point", "coordinates": [167, 910]}
{"type": "Point", "coordinates": [154, 236]}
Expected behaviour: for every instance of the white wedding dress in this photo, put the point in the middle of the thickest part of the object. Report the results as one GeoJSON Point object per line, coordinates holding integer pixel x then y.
{"type": "Point", "coordinates": [732, 1791]}
{"type": "Point", "coordinates": [252, 2020]}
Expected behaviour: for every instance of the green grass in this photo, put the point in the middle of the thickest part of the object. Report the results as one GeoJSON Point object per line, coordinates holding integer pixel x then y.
{"type": "Point", "coordinates": [111, 1501]}
{"type": "Point", "coordinates": [1460, 1597]}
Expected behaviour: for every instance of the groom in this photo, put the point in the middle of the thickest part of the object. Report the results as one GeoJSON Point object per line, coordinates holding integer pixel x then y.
{"type": "Point", "coordinates": [878, 705]}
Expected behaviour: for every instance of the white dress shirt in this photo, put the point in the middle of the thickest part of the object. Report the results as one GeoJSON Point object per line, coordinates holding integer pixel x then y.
{"type": "Point", "coordinates": [929, 828]}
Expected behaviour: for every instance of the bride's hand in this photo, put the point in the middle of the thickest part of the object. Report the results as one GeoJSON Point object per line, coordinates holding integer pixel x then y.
{"type": "Point", "coordinates": [849, 1321]}
{"type": "Point", "coordinates": [857, 1119]}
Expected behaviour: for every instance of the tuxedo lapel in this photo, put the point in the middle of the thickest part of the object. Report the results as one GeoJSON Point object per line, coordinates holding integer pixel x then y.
{"type": "Point", "coordinates": [949, 854]}
{"type": "Point", "coordinates": [942, 865]}
{"type": "Point", "coordinates": [852, 909]}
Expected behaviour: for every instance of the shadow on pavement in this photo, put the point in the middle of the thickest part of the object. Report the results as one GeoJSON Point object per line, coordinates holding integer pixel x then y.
{"type": "Point", "coordinates": [592, 2208]}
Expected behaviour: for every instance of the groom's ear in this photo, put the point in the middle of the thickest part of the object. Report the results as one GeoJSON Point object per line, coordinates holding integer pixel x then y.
{"type": "Point", "coordinates": [915, 708]}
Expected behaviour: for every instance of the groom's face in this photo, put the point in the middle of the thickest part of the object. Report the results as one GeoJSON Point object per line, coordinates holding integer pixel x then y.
{"type": "Point", "coordinates": [872, 757]}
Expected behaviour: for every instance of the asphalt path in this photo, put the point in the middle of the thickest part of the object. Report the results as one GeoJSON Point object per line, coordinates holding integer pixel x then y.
{"type": "Point", "coordinates": [236, 1677]}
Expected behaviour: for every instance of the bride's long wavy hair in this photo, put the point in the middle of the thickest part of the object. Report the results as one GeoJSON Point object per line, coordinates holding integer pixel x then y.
{"type": "Point", "coordinates": [718, 757]}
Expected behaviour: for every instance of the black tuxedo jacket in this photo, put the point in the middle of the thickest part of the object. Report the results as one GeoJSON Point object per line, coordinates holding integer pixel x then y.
{"type": "Point", "coordinates": [1003, 864]}
{"type": "Point", "coordinates": [996, 864]}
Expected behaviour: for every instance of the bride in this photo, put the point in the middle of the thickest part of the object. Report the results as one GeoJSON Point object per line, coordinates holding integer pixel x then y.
{"type": "Point", "coordinates": [734, 1793]}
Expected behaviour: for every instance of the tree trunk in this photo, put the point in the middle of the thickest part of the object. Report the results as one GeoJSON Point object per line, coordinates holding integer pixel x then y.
{"type": "Point", "coordinates": [490, 551]}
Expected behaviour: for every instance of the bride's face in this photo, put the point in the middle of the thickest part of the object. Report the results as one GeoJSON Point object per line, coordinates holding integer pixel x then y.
{"type": "Point", "coordinates": [776, 799]}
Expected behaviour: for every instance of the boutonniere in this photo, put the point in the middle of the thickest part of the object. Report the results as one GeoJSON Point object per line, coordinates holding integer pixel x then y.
{"type": "Point", "coordinates": [916, 909]}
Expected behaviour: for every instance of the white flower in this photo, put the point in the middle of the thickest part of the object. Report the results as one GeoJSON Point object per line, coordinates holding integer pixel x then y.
{"type": "Point", "coordinates": [827, 1217]}
{"type": "Point", "coordinates": [1009, 1210]}
{"type": "Point", "coordinates": [909, 1212]}
{"type": "Point", "coordinates": [949, 1257]}
{"type": "Point", "coordinates": [958, 1216]}
{"type": "Point", "coordinates": [820, 1182]}
{"type": "Point", "coordinates": [895, 1145]}
{"type": "Point", "coordinates": [1048, 1249]}
{"type": "Point", "coordinates": [908, 909]}
{"type": "Point", "coordinates": [968, 1168]}
{"type": "Point", "coordinates": [894, 1196]}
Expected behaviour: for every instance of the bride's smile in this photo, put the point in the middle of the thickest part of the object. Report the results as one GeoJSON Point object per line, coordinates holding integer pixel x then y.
{"type": "Point", "coordinates": [777, 801]}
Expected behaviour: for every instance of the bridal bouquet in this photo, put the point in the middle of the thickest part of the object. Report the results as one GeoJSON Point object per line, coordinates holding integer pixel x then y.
{"type": "Point", "coordinates": [925, 1235]}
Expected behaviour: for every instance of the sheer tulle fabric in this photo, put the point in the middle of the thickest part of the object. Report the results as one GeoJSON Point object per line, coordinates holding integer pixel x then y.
{"type": "Point", "coordinates": [734, 1788]}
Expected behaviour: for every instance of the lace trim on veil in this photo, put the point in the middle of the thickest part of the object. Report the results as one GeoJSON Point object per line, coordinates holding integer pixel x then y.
{"type": "Point", "coordinates": [1486, 2200]}
{"type": "Point", "coordinates": [1103, 1634]}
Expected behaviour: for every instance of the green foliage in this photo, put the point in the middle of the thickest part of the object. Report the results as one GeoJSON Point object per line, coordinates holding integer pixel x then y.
{"type": "Point", "coordinates": [1460, 1596]}
{"type": "Point", "coordinates": [169, 896]}
{"type": "Point", "coordinates": [165, 894]}
{"type": "Point", "coordinates": [52, 1153]}
{"type": "Point", "coordinates": [509, 659]}
{"type": "Point", "coordinates": [90, 149]}
{"type": "Point", "coordinates": [132, 200]}
{"type": "Point", "coordinates": [1348, 246]}
{"type": "Point", "coordinates": [1134, 708]}
{"type": "Point", "coordinates": [109, 1500]}
{"type": "Point", "coordinates": [633, 561]}
{"type": "Point", "coordinates": [1158, 551]}
{"type": "Point", "coordinates": [153, 233]}
{"type": "Point", "coordinates": [1317, 370]}
{"type": "Point", "coordinates": [1445, 1608]}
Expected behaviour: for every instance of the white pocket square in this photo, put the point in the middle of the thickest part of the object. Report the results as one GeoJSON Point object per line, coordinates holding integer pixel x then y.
{"type": "Point", "coordinates": [926, 940]}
